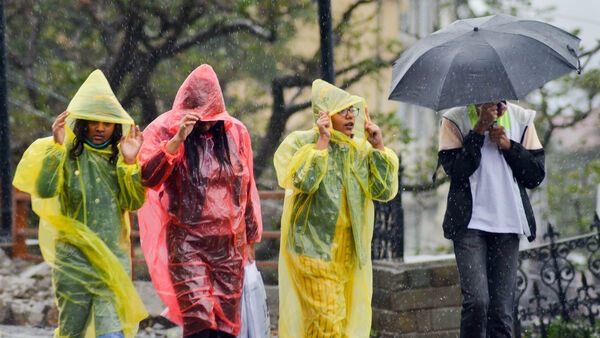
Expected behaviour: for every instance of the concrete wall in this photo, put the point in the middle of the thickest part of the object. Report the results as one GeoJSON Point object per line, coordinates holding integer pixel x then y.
{"type": "Point", "coordinates": [417, 300]}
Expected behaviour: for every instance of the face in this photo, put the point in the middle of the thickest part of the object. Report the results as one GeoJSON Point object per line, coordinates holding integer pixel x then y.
{"type": "Point", "coordinates": [99, 132]}
{"type": "Point", "coordinates": [344, 120]}
{"type": "Point", "coordinates": [204, 126]}
{"type": "Point", "coordinates": [500, 106]}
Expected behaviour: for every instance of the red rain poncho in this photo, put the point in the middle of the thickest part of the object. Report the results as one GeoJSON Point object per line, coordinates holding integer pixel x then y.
{"type": "Point", "coordinates": [195, 234]}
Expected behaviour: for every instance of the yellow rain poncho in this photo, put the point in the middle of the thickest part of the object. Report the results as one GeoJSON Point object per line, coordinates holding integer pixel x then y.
{"type": "Point", "coordinates": [83, 205]}
{"type": "Point", "coordinates": [325, 272]}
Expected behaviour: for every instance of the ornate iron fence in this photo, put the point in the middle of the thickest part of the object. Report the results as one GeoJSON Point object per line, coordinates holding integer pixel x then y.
{"type": "Point", "coordinates": [559, 279]}
{"type": "Point", "coordinates": [388, 232]}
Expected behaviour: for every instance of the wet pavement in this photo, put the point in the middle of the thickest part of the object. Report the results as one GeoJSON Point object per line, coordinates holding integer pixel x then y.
{"type": "Point", "coordinates": [14, 331]}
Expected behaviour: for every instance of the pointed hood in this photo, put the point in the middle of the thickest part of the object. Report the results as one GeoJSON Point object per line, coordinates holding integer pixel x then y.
{"type": "Point", "coordinates": [327, 97]}
{"type": "Point", "coordinates": [199, 94]}
{"type": "Point", "coordinates": [96, 101]}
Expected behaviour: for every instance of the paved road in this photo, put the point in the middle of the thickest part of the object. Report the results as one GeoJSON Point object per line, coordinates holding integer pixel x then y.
{"type": "Point", "coordinates": [13, 331]}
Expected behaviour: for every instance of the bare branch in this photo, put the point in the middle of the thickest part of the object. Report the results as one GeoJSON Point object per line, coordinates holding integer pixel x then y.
{"type": "Point", "coordinates": [218, 30]}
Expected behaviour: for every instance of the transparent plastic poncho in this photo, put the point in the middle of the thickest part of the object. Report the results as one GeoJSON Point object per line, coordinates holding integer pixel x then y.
{"type": "Point", "coordinates": [195, 233]}
{"type": "Point", "coordinates": [84, 205]}
{"type": "Point", "coordinates": [328, 192]}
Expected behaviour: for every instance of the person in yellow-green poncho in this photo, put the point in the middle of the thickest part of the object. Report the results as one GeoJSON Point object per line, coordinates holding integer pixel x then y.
{"type": "Point", "coordinates": [331, 174]}
{"type": "Point", "coordinates": [83, 182]}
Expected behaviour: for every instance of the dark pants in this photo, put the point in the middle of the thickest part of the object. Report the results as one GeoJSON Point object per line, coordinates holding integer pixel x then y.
{"type": "Point", "coordinates": [487, 266]}
{"type": "Point", "coordinates": [210, 334]}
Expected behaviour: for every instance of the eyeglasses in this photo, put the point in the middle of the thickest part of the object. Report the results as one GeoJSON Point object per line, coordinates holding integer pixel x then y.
{"type": "Point", "coordinates": [352, 110]}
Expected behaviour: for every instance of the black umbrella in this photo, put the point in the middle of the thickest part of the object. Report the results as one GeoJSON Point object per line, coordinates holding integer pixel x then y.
{"type": "Point", "coordinates": [492, 58]}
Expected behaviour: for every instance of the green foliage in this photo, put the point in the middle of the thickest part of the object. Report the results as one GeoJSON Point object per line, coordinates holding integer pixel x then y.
{"type": "Point", "coordinates": [571, 185]}
{"type": "Point", "coordinates": [148, 47]}
{"type": "Point", "coordinates": [560, 328]}
{"type": "Point", "coordinates": [590, 81]}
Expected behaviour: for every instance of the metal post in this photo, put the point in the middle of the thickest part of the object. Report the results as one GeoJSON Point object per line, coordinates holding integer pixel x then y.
{"type": "Point", "coordinates": [325, 24]}
{"type": "Point", "coordinates": [5, 166]}
{"type": "Point", "coordinates": [399, 218]}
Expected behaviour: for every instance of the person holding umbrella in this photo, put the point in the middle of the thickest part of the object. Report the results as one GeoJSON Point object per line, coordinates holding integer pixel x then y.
{"type": "Point", "coordinates": [491, 152]}
{"type": "Point", "coordinates": [488, 147]}
{"type": "Point", "coordinates": [331, 173]}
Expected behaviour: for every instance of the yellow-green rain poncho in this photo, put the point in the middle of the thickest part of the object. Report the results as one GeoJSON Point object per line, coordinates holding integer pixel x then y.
{"type": "Point", "coordinates": [325, 271]}
{"type": "Point", "coordinates": [83, 204]}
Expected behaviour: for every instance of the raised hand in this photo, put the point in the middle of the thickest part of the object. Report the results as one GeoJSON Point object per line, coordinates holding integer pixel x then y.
{"type": "Point", "coordinates": [375, 137]}
{"type": "Point", "coordinates": [498, 136]}
{"type": "Point", "coordinates": [324, 123]}
{"type": "Point", "coordinates": [58, 127]}
{"type": "Point", "coordinates": [488, 113]}
{"type": "Point", "coordinates": [186, 125]}
{"type": "Point", "coordinates": [131, 144]}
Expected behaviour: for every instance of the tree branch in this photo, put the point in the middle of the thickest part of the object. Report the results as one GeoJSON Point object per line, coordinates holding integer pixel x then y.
{"type": "Point", "coordinates": [218, 30]}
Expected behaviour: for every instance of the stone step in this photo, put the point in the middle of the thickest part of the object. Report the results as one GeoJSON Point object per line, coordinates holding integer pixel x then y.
{"type": "Point", "coordinates": [422, 323]}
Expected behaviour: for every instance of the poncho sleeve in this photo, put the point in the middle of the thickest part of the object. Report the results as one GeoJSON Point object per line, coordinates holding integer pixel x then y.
{"type": "Point", "coordinates": [383, 178]}
{"type": "Point", "coordinates": [157, 163]}
{"type": "Point", "coordinates": [132, 193]}
{"type": "Point", "coordinates": [300, 166]}
{"type": "Point", "coordinates": [252, 214]}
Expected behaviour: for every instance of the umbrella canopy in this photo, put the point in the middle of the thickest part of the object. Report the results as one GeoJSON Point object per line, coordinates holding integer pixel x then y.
{"type": "Point", "coordinates": [492, 58]}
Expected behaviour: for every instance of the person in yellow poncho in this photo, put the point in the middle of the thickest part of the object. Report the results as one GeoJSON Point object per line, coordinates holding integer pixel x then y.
{"type": "Point", "coordinates": [83, 181]}
{"type": "Point", "coordinates": [331, 174]}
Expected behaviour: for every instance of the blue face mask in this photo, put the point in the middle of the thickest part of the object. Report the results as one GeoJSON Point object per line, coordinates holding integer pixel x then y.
{"type": "Point", "coordinates": [97, 146]}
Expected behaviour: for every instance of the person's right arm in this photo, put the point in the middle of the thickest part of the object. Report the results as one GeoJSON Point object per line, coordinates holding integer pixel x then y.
{"type": "Point", "coordinates": [156, 161]}
{"type": "Point", "coordinates": [50, 179]}
{"type": "Point", "coordinates": [161, 151]}
{"type": "Point", "coordinates": [298, 164]}
{"type": "Point", "coordinates": [459, 157]}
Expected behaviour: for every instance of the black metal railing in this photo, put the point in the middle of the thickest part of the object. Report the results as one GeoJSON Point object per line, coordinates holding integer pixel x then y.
{"type": "Point", "coordinates": [557, 280]}
{"type": "Point", "coordinates": [388, 228]}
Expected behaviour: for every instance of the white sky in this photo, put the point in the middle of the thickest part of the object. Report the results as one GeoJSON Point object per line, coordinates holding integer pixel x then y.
{"type": "Point", "coordinates": [571, 14]}
{"type": "Point", "coordinates": [568, 15]}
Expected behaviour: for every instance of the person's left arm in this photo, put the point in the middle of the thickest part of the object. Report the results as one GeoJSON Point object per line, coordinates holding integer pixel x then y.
{"type": "Point", "coordinates": [131, 191]}
{"type": "Point", "coordinates": [383, 166]}
{"type": "Point", "coordinates": [252, 212]}
{"type": "Point", "coordinates": [527, 160]}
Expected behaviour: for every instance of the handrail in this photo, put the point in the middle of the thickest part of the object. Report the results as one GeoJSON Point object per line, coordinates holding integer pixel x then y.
{"type": "Point", "coordinates": [20, 231]}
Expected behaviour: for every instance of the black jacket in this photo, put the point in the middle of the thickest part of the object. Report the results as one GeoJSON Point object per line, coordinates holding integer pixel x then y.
{"type": "Point", "coordinates": [459, 164]}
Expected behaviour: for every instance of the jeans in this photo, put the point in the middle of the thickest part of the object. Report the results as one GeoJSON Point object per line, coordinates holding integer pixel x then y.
{"type": "Point", "coordinates": [113, 335]}
{"type": "Point", "coordinates": [487, 266]}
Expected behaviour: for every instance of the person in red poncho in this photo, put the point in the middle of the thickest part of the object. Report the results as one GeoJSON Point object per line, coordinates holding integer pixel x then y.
{"type": "Point", "coordinates": [202, 215]}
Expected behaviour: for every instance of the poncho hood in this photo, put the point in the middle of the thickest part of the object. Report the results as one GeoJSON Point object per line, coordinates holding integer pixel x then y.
{"type": "Point", "coordinates": [200, 94]}
{"type": "Point", "coordinates": [96, 101]}
{"type": "Point", "coordinates": [327, 97]}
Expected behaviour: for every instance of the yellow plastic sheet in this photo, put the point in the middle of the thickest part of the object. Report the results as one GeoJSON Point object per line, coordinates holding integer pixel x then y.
{"type": "Point", "coordinates": [84, 205]}
{"type": "Point", "coordinates": [325, 272]}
